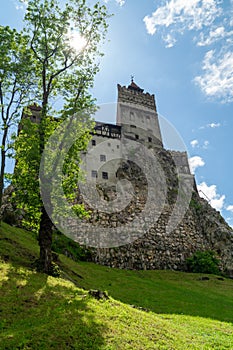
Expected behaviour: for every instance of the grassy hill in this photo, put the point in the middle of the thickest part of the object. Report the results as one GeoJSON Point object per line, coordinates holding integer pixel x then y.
{"type": "Point", "coordinates": [146, 309]}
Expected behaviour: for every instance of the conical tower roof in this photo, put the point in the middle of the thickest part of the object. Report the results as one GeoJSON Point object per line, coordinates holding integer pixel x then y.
{"type": "Point", "coordinates": [134, 86]}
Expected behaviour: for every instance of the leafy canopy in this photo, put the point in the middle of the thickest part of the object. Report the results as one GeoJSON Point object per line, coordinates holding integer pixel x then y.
{"type": "Point", "coordinates": [64, 74]}
{"type": "Point", "coordinates": [17, 74]}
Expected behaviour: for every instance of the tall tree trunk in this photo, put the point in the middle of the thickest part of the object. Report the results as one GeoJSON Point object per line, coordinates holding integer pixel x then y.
{"type": "Point", "coordinates": [3, 163]}
{"type": "Point", "coordinates": [45, 243]}
{"type": "Point", "coordinates": [46, 225]}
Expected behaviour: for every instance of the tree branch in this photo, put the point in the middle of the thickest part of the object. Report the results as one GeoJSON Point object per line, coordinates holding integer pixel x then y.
{"type": "Point", "coordinates": [11, 100]}
{"type": "Point", "coordinates": [2, 101]}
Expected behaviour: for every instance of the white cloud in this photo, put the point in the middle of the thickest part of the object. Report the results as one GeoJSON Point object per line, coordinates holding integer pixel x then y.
{"type": "Point", "coordinates": [213, 36]}
{"type": "Point", "coordinates": [210, 193]}
{"type": "Point", "coordinates": [194, 143]}
{"type": "Point", "coordinates": [217, 80]}
{"type": "Point", "coordinates": [169, 40]}
{"type": "Point", "coordinates": [195, 162]}
{"type": "Point", "coordinates": [119, 2]}
{"type": "Point", "coordinates": [183, 15]}
{"type": "Point", "coordinates": [214, 125]}
{"type": "Point", "coordinates": [206, 144]}
{"type": "Point", "coordinates": [230, 208]}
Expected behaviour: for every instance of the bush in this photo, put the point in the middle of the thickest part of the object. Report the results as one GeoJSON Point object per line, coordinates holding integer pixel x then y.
{"type": "Point", "coordinates": [203, 262]}
{"type": "Point", "coordinates": [195, 205]}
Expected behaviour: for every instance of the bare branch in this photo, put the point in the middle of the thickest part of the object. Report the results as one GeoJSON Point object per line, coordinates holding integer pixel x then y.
{"type": "Point", "coordinates": [34, 31]}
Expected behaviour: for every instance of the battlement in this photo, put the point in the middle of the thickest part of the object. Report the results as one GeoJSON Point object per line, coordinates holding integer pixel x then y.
{"type": "Point", "coordinates": [135, 95]}
{"type": "Point", "coordinates": [181, 161]}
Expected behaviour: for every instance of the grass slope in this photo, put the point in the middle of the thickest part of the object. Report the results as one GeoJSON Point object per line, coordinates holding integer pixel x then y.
{"type": "Point", "coordinates": [41, 312]}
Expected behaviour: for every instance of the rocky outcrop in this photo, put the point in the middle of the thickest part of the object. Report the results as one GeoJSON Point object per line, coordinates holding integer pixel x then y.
{"type": "Point", "coordinates": [9, 212]}
{"type": "Point", "coordinates": [201, 228]}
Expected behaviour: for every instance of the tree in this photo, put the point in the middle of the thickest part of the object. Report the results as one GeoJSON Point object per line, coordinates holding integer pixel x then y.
{"type": "Point", "coordinates": [63, 71]}
{"type": "Point", "coordinates": [17, 77]}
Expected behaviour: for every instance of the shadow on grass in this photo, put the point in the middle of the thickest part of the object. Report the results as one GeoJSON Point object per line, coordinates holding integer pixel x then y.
{"type": "Point", "coordinates": [162, 292]}
{"type": "Point", "coordinates": [41, 312]}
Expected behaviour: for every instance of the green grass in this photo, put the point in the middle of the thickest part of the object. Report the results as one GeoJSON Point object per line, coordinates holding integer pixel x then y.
{"type": "Point", "coordinates": [160, 291]}
{"type": "Point", "coordinates": [41, 312]}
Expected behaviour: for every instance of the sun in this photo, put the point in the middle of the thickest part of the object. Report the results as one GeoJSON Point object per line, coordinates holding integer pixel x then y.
{"type": "Point", "coordinates": [76, 41]}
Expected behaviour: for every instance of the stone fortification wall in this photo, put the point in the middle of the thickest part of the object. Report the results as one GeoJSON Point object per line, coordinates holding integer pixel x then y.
{"type": "Point", "coordinates": [201, 228]}
{"type": "Point", "coordinates": [136, 97]}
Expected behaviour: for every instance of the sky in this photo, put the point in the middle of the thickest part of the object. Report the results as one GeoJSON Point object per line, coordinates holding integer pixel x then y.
{"type": "Point", "coordinates": [181, 51]}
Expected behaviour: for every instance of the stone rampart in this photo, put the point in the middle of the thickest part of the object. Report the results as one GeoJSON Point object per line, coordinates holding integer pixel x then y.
{"type": "Point", "coordinates": [202, 227]}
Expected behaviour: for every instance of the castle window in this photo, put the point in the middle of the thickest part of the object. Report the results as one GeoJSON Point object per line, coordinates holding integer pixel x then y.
{"type": "Point", "coordinates": [94, 173]}
{"type": "Point", "coordinates": [133, 126]}
{"type": "Point", "coordinates": [103, 158]}
{"type": "Point", "coordinates": [109, 144]}
{"type": "Point", "coordinates": [118, 146]}
{"type": "Point", "coordinates": [136, 137]}
{"type": "Point", "coordinates": [93, 142]}
{"type": "Point", "coordinates": [105, 175]}
{"type": "Point", "coordinates": [149, 139]}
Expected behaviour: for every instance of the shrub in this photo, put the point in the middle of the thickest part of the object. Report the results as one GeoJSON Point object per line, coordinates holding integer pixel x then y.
{"type": "Point", "coordinates": [203, 262]}
{"type": "Point", "coordinates": [195, 205]}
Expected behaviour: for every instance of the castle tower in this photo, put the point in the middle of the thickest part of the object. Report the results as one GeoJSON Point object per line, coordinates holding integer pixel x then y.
{"type": "Point", "coordinates": [136, 120]}
{"type": "Point", "coordinates": [137, 115]}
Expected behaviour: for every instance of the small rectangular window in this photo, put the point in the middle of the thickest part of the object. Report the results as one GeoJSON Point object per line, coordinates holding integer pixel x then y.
{"type": "Point", "coordinates": [94, 173]}
{"type": "Point", "coordinates": [109, 144]}
{"type": "Point", "coordinates": [133, 126]}
{"type": "Point", "coordinates": [105, 175]}
{"type": "Point", "coordinates": [103, 158]}
{"type": "Point", "coordinates": [136, 137]}
{"type": "Point", "coordinates": [149, 139]}
{"type": "Point", "coordinates": [93, 142]}
{"type": "Point", "coordinates": [118, 146]}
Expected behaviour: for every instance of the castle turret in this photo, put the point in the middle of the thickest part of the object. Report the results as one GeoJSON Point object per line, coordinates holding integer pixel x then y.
{"type": "Point", "coordinates": [137, 114]}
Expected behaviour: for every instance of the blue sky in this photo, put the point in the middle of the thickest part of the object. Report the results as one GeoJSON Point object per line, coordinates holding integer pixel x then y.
{"type": "Point", "coordinates": [180, 50]}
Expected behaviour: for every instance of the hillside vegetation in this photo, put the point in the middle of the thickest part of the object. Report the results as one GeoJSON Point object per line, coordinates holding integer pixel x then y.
{"type": "Point", "coordinates": [145, 309]}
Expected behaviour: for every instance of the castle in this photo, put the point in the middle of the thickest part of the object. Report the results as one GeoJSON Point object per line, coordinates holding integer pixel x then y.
{"type": "Point", "coordinates": [145, 210]}
{"type": "Point", "coordinates": [160, 219]}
